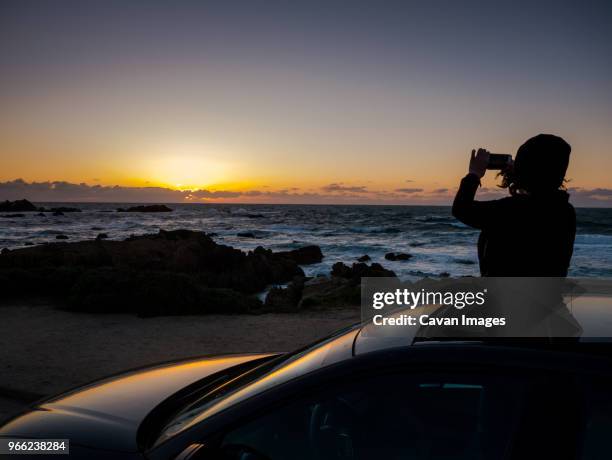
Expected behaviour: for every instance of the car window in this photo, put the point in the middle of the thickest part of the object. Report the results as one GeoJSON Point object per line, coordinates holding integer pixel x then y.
{"type": "Point", "coordinates": [397, 416]}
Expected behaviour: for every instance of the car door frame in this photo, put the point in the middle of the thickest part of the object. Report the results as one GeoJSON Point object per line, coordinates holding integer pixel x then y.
{"type": "Point", "coordinates": [464, 358]}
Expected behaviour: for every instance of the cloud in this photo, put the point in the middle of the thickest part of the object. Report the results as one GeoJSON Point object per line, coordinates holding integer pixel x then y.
{"type": "Point", "coordinates": [335, 193]}
{"type": "Point", "coordinates": [214, 194]}
{"type": "Point", "coordinates": [61, 191]}
{"type": "Point", "coordinates": [596, 197]}
{"type": "Point", "coordinates": [339, 187]}
{"type": "Point", "coordinates": [408, 190]}
{"type": "Point", "coordinates": [66, 191]}
{"type": "Point", "coordinates": [596, 192]}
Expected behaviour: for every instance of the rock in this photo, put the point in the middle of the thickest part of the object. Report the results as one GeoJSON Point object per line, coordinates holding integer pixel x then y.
{"type": "Point", "coordinates": [153, 293]}
{"type": "Point", "coordinates": [364, 258]}
{"type": "Point", "coordinates": [28, 243]}
{"type": "Point", "coordinates": [285, 299]}
{"type": "Point", "coordinates": [58, 213]}
{"type": "Point", "coordinates": [47, 282]}
{"type": "Point", "coordinates": [97, 228]}
{"type": "Point", "coordinates": [61, 237]}
{"type": "Point", "coordinates": [5, 251]}
{"type": "Point", "coordinates": [209, 272]}
{"type": "Point", "coordinates": [101, 236]}
{"type": "Point", "coordinates": [360, 270]}
{"type": "Point", "coordinates": [17, 206]}
{"type": "Point", "coordinates": [9, 216]}
{"type": "Point", "coordinates": [147, 208]}
{"type": "Point", "coordinates": [396, 256]}
{"type": "Point", "coordinates": [444, 275]}
{"type": "Point", "coordinates": [246, 235]}
{"type": "Point", "coordinates": [324, 293]}
{"type": "Point", "coordinates": [304, 256]}
{"type": "Point", "coordinates": [40, 214]}
{"type": "Point", "coordinates": [465, 261]}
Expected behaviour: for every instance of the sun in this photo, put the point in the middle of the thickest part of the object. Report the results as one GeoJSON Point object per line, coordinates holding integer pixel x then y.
{"type": "Point", "coordinates": [182, 169]}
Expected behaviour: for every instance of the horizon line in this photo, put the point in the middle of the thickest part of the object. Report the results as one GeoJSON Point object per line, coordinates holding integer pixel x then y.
{"type": "Point", "coordinates": [265, 204]}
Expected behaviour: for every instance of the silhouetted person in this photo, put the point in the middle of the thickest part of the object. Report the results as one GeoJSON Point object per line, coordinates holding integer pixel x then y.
{"type": "Point", "coordinates": [531, 232]}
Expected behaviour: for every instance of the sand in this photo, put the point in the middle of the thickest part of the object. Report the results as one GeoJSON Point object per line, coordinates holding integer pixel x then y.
{"type": "Point", "coordinates": [44, 350]}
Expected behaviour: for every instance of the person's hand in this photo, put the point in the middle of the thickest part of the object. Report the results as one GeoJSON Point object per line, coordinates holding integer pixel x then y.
{"type": "Point", "coordinates": [478, 162]}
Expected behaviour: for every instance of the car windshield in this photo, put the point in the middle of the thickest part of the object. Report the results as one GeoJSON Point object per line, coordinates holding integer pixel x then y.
{"type": "Point", "coordinates": [262, 378]}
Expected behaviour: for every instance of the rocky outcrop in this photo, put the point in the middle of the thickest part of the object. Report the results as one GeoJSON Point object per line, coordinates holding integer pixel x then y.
{"type": "Point", "coordinates": [360, 270]}
{"type": "Point", "coordinates": [364, 258]}
{"type": "Point", "coordinates": [181, 251]}
{"type": "Point", "coordinates": [177, 272]}
{"type": "Point", "coordinates": [397, 256]}
{"type": "Point", "coordinates": [285, 299]}
{"type": "Point", "coordinates": [188, 265]}
{"type": "Point", "coordinates": [304, 256]}
{"type": "Point", "coordinates": [147, 208]}
{"type": "Point", "coordinates": [153, 293]}
{"type": "Point", "coordinates": [341, 290]}
{"type": "Point", "coordinates": [17, 206]}
{"type": "Point", "coordinates": [330, 292]}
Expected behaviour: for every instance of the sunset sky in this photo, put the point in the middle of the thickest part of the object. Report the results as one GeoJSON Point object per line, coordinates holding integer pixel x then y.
{"type": "Point", "coordinates": [297, 102]}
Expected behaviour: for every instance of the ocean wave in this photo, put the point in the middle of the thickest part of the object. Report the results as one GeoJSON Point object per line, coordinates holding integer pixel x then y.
{"type": "Point", "coordinates": [464, 261]}
{"type": "Point", "coordinates": [439, 242]}
{"type": "Point", "coordinates": [594, 228]}
{"type": "Point", "coordinates": [435, 219]}
{"type": "Point", "coordinates": [375, 230]}
{"type": "Point", "coordinates": [593, 239]}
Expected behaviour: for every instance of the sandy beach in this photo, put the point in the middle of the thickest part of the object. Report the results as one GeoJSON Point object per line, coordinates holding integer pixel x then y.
{"type": "Point", "coordinates": [44, 350]}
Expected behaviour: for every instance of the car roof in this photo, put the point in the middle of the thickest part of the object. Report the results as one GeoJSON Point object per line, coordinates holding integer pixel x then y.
{"type": "Point", "coordinates": [592, 312]}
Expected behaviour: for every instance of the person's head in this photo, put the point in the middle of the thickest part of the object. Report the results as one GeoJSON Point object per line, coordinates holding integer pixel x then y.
{"type": "Point", "coordinates": [539, 166]}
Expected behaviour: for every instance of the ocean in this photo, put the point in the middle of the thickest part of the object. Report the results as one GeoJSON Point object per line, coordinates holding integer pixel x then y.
{"type": "Point", "coordinates": [438, 242]}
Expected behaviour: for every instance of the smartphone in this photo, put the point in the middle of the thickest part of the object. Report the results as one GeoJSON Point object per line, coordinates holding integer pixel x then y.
{"type": "Point", "coordinates": [499, 160]}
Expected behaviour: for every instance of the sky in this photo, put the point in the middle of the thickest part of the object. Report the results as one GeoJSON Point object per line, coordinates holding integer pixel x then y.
{"type": "Point", "coordinates": [295, 102]}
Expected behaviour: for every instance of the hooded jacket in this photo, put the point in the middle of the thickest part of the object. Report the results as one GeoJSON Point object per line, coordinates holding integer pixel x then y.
{"type": "Point", "coordinates": [521, 235]}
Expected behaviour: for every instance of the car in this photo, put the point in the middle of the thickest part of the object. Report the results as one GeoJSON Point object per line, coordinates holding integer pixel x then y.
{"type": "Point", "coordinates": [353, 395]}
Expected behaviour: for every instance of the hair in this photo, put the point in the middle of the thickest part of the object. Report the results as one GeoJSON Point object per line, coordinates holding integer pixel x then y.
{"type": "Point", "coordinates": [539, 166]}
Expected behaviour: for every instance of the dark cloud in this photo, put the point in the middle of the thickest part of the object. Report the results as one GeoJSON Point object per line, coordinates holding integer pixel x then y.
{"type": "Point", "coordinates": [596, 197]}
{"type": "Point", "coordinates": [339, 187]}
{"type": "Point", "coordinates": [596, 192]}
{"type": "Point", "coordinates": [62, 191]}
{"type": "Point", "coordinates": [66, 191]}
{"type": "Point", "coordinates": [203, 193]}
{"type": "Point", "coordinates": [408, 190]}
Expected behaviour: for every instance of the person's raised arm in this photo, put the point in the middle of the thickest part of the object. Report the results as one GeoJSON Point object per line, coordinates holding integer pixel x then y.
{"type": "Point", "coordinates": [465, 208]}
